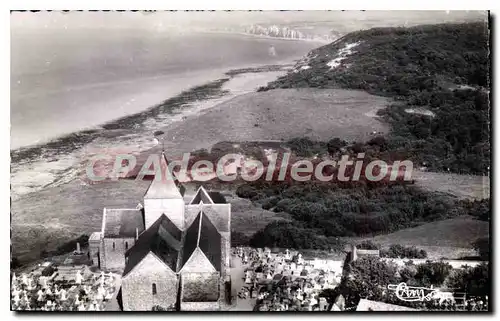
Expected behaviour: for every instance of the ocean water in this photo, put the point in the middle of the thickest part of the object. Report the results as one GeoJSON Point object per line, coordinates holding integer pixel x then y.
{"type": "Point", "coordinates": [66, 81]}
{"type": "Point", "coordinates": [70, 89]}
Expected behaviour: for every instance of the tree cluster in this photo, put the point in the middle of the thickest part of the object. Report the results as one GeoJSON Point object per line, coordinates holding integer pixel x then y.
{"type": "Point", "coordinates": [368, 278]}
{"type": "Point", "coordinates": [442, 68]}
{"type": "Point", "coordinates": [400, 251]}
{"type": "Point", "coordinates": [293, 235]}
{"type": "Point", "coordinates": [331, 211]}
{"type": "Point", "coordinates": [326, 210]}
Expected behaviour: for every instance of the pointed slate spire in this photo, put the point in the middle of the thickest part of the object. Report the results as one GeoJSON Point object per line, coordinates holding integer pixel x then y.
{"type": "Point", "coordinates": [164, 187]}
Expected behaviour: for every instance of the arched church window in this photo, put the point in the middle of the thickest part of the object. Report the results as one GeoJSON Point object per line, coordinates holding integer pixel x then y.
{"type": "Point", "coordinates": [126, 245]}
{"type": "Point", "coordinates": [113, 245]}
{"type": "Point", "coordinates": [154, 288]}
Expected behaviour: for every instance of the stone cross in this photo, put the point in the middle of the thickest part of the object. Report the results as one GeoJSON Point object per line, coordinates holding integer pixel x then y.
{"type": "Point", "coordinates": [30, 284]}
{"type": "Point", "coordinates": [62, 294]}
{"type": "Point", "coordinates": [100, 291]}
{"type": "Point", "coordinates": [40, 295]}
{"type": "Point", "coordinates": [25, 297]}
{"type": "Point", "coordinates": [78, 277]}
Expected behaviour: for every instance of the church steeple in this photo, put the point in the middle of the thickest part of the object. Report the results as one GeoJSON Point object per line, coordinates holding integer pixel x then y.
{"type": "Point", "coordinates": [166, 186]}
{"type": "Point", "coordinates": [164, 196]}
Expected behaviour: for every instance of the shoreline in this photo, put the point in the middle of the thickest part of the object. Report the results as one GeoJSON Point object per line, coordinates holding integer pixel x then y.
{"type": "Point", "coordinates": [38, 167]}
{"type": "Point", "coordinates": [319, 41]}
{"type": "Point", "coordinates": [222, 73]}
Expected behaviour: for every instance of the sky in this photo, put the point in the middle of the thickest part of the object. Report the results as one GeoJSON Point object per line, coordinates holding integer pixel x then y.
{"type": "Point", "coordinates": [222, 19]}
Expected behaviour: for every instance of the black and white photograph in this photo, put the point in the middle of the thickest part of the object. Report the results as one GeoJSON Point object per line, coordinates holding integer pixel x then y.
{"type": "Point", "coordinates": [250, 161]}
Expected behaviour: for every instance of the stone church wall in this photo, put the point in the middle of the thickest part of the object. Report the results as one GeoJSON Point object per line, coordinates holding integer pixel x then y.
{"type": "Point", "coordinates": [137, 286]}
{"type": "Point", "coordinates": [113, 253]}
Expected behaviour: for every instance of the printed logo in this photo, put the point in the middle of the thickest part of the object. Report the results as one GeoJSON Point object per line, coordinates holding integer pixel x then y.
{"type": "Point", "coordinates": [413, 294]}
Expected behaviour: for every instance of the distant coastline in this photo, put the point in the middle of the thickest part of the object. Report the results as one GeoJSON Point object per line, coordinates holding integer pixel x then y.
{"type": "Point", "coordinates": [241, 33]}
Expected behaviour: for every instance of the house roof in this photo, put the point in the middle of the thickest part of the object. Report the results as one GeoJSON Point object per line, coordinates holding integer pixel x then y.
{"type": "Point", "coordinates": [207, 197]}
{"type": "Point", "coordinates": [175, 247]}
{"type": "Point", "coordinates": [201, 196]}
{"type": "Point", "coordinates": [203, 234]}
{"type": "Point", "coordinates": [122, 222]}
{"type": "Point", "coordinates": [219, 215]}
{"type": "Point", "coordinates": [166, 186]}
{"type": "Point", "coordinates": [191, 239]}
{"type": "Point", "coordinates": [210, 242]}
{"type": "Point", "coordinates": [369, 305]}
{"type": "Point", "coordinates": [95, 236]}
{"type": "Point", "coordinates": [163, 239]}
{"type": "Point", "coordinates": [362, 252]}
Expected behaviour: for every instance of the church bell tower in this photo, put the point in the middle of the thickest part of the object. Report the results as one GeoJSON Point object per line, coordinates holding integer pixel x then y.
{"type": "Point", "coordinates": [164, 196]}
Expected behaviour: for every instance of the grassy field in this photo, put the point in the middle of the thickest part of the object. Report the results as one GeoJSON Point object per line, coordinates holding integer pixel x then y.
{"type": "Point", "coordinates": [46, 219]}
{"type": "Point", "coordinates": [461, 186]}
{"type": "Point", "coordinates": [450, 238]}
{"type": "Point", "coordinates": [280, 115]}
{"type": "Point", "coordinates": [247, 218]}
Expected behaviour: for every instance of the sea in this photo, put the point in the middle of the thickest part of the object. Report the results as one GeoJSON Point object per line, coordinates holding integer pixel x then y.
{"type": "Point", "coordinates": [71, 90]}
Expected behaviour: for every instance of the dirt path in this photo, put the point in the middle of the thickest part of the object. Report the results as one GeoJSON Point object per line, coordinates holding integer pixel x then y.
{"type": "Point", "coordinates": [237, 282]}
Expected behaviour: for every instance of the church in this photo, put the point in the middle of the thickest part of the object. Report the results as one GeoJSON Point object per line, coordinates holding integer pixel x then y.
{"type": "Point", "coordinates": [173, 254]}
